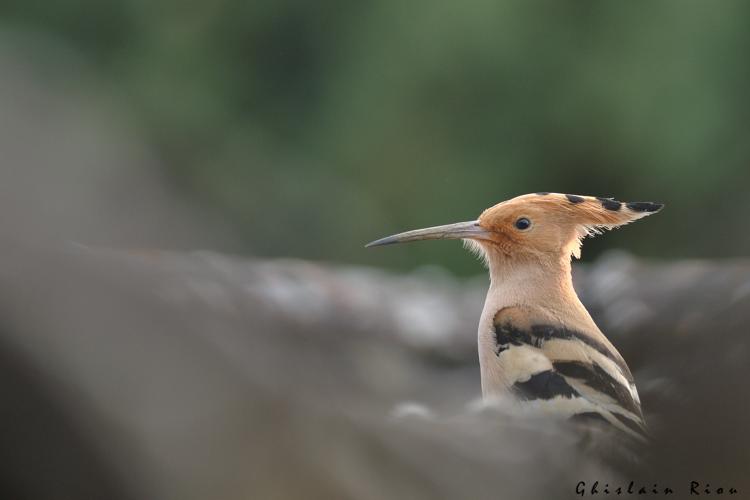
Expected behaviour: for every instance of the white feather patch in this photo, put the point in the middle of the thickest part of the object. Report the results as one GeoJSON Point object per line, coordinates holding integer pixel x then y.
{"type": "Point", "coordinates": [477, 249]}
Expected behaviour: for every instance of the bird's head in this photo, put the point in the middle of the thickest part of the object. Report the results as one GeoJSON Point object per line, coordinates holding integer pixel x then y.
{"type": "Point", "coordinates": [541, 225]}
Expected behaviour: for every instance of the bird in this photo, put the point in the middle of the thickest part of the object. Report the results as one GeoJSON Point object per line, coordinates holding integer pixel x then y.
{"type": "Point", "coordinates": [537, 343]}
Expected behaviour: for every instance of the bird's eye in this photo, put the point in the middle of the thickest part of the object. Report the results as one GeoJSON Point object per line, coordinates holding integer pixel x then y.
{"type": "Point", "coordinates": [523, 223]}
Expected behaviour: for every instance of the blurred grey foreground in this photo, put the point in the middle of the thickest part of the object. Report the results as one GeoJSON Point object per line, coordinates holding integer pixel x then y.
{"type": "Point", "coordinates": [196, 375]}
{"type": "Point", "coordinates": [181, 375]}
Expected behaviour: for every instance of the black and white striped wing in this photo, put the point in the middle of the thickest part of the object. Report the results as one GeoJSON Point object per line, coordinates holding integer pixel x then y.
{"type": "Point", "coordinates": [572, 374]}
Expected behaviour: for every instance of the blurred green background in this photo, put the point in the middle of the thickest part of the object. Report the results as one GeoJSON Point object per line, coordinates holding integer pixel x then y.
{"type": "Point", "coordinates": [314, 127]}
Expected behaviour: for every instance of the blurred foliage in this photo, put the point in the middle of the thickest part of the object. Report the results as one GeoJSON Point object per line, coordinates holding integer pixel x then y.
{"type": "Point", "coordinates": [318, 126]}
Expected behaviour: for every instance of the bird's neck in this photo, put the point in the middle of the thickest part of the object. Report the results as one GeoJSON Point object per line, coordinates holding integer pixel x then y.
{"type": "Point", "coordinates": [544, 283]}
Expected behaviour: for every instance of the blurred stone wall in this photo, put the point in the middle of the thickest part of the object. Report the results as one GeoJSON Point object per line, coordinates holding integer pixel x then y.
{"type": "Point", "coordinates": [194, 375]}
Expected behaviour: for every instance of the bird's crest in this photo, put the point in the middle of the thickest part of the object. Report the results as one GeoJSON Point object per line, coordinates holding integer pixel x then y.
{"type": "Point", "coordinates": [549, 222]}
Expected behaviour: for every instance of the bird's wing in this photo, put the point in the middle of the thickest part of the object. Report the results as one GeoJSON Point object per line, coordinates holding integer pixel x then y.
{"type": "Point", "coordinates": [568, 372]}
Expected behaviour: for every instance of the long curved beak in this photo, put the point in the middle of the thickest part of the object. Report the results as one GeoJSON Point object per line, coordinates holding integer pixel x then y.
{"type": "Point", "coordinates": [458, 231]}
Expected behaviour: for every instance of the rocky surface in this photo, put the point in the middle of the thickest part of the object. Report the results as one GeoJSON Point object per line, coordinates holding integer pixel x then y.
{"type": "Point", "coordinates": [199, 375]}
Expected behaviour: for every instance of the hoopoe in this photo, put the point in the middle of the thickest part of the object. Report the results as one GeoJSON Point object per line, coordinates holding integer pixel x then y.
{"type": "Point", "coordinates": [537, 342]}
